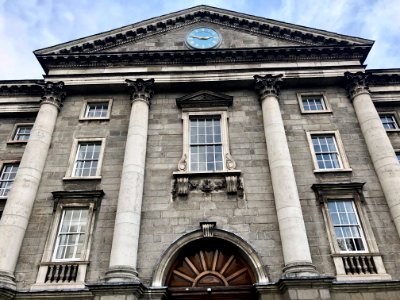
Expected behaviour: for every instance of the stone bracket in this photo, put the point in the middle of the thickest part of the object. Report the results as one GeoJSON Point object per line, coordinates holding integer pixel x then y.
{"type": "Point", "coordinates": [208, 228]}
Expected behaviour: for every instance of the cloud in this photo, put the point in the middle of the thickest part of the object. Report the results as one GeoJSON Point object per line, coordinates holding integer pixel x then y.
{"type": "Point", "coordinates": [27, 25]}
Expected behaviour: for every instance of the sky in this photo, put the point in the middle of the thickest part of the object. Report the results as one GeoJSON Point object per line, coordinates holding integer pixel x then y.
{"type": "Point", "coordinates": [28, 25]}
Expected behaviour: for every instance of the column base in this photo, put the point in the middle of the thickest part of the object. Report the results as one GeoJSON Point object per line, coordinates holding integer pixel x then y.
{"type": "Point", "coordinates": [299, 270]}
{"type": "Point", "coordinates": [122, 274]}
{"type": "Point", "coordinates": [7, 280]}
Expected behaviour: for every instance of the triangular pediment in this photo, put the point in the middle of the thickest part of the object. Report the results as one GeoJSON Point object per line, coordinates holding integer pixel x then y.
{"type": "Point", "coordinates": [204, 98]}
{"type": "Point", "coordinates": [168, 32]}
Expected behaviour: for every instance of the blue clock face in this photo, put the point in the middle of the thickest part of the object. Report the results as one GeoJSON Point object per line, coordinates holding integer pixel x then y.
{"type": "Point", "coordinates": [203, 38]}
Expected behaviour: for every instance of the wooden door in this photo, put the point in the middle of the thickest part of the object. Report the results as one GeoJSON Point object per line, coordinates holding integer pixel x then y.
{"type": "Point", "coordinates": [210, 269]}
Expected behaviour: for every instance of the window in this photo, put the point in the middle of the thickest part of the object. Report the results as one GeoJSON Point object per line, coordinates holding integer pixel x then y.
{"type": "Point", "coordinates": [86, 159]}
{"type": "Point", "coordinates": [21, 133]}
{"type": "Point", "coordinates": [205, 144]}
{"type": "Point", "coordinates": [96, 109]}
{"type": "Point", "coordinates": [346, 225]}
{"type": "Point", "coordinates": [328, 152]}
{"type": "Point", "coordinates": [71, 234]}
{"type": "Point", "coordinates": [313, 103]}
{"type": "Point", "coordinates": [7, 176]}
{"type": "Point", "coordinates": [351, 239]}
{"type": "Point", "coordinates": [206, 164]}
{"type": "Point", "coordinates": [398, 155]}
{"type": "Point", "coordinates": [66, 253]}
{"type": "Point", "coordinates": [389, 121]}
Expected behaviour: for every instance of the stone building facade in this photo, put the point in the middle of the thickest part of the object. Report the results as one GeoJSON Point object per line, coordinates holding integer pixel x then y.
{"type": "Point", "coordinates": [203, 154]}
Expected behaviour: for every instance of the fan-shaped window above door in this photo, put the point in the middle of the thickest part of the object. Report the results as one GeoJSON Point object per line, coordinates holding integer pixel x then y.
{"type": "Point", "coordinates": [210, 269]}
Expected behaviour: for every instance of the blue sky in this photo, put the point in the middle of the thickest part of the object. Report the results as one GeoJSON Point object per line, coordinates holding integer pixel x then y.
{"type": "Point", "coordinates": [27, 25]}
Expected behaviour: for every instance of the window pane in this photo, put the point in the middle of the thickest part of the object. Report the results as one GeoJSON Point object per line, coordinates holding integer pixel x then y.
{"type": "Point", "coordinates": [326, 151]}
{"type": "Point", "coordinates": [346, 225]}
{"type": "Point", "coordinates": [205, 143]}
{"type": "Point", "coordinates": [312, 103]}
{"type": "Point", "coordinates": [87, 159]}
{"type": "Point", "coordinates": [71, 234]}
{"type": "Point", "coordinates": [389, 121]}
{"type": "Point", "coordinates": [96, 110]}
{"type": "Point", "coordinates": [7, 176]}
{"type": "Point", "coordinates": [22, 133]}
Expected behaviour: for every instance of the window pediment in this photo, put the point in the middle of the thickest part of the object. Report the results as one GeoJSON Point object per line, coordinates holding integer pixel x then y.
{"type": "Point", "coordinates": [204, 98]}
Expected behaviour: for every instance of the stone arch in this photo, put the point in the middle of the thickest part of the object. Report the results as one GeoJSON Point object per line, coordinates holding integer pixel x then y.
{"type": "Point", "coordinates": [171, 253]}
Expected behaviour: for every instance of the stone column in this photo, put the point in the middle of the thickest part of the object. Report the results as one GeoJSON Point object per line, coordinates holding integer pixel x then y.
{"type": "Point", "coordinates": [296, 251]}
{"type": "Point", "coordinates": [20, 199]}
{"type": "Point", "coordinates": [124, 249]}
{"type": "Point", "coordinates": [379, 146]}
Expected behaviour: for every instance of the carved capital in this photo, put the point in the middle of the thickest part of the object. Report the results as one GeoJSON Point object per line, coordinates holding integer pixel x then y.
{"type": "Point", "coordinates": [141, 90]}
{"type": "Point", "coordinates": [53, 93]}
{"type": "Point", "coordinates": [268, 85]}
{"type": "Point", "coordinates": [356, 83]}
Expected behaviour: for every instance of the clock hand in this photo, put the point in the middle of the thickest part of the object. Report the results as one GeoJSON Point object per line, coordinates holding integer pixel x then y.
{"type": "Point", "coordinates": [202, 37]}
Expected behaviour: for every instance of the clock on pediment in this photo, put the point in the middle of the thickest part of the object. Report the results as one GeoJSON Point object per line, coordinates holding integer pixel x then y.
{"type": "Point", "coordinates": [203, 38]}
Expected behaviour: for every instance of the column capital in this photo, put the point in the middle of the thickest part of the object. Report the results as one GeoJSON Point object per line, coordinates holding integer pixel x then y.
{"type": "Point", "coordinates": [53, 93]}
{"type": "Point", "coordinates": [356, 84]}
{"type": "Point", "coordinates": [268, 85]}
{"type": "Point", "coordinates": [141, 89]}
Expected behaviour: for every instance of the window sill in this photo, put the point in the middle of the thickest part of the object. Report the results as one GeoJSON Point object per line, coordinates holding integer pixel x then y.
{"type": "Point", "coordinates": [208, 182]}
{"type": "Point", "coordinates": [347, 170]}
{"type": "Point", "coordinates": [393, 130]}
{"type": "Point", "coordinates": [12, 142]}
{"type": "Point", "coordinates": [82, 178]}
{"type": "Point", "coordinates": [94, 119]}
{"type": "Point", "coordinates": [306, 112]}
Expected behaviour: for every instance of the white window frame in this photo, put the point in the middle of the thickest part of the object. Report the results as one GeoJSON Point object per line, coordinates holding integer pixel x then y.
{"type": "Point", "coordinates": [48, 258]}
{"type": "Point", "coordinates": [73, 156]}
{"type": "Point", "coordinates": [354, 194]}
{"type": "Point", "coordinates": [12, 139]}
{"type": "Point", "coordinates": [57, 242]}
{"type": "Point", "coordinates": [322, 95]}
{"type": "Point", "coordinates": [395, 120]}
{"type": "Point", "coordinates": [223, 115]}
{"type": "Point", "coordinates": [2, 164]}
{"type": "Point", "coordinates": [86, 103]}
{"type": "Point", "coordinates": [332, 226]}
{"type": "Point", "coordinates": [344, 164]}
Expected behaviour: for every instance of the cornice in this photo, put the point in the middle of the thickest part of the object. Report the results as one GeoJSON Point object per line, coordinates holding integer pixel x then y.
{"type": "Point", "coordinates": [195, 57]}
{"type": "Point", "coordinates": [21, 88]}
{"type": "Point", "coordinates": [383, 79]}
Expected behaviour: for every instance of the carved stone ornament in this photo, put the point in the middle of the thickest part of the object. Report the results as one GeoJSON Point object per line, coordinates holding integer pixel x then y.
{"type": "Point", "coordinates": [182, 164]}
{"type": "Point", "coordinates": [208, 228]}
{"type": "Point", "coordinates": [356, 83]}
{"type": "Point", "coordinates": [141, 89]}
{"type": "Point", "coordinates": [230, 163]}
{"type": "Point", "coordinates": [230, 182]}
{"type": "Point", "coordinates": [181, 186]}
{"type": "Point", "coordinates": [52, 93]}
{"type": "Point", "coordinates": [268, 85]}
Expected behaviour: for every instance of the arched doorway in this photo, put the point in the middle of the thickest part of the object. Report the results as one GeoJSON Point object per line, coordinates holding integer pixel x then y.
{"type": "Point", "coordinates": [210, 268]}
